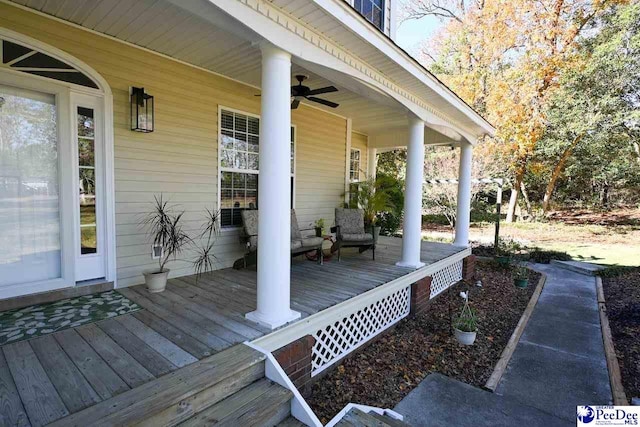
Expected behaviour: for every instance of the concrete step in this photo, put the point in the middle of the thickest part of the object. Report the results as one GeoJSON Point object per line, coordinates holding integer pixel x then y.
{"type": "Point", "coordinates": [177, 396]}
{"type": "Point", "coordinates": [263, 403]}
{"type": "Point", "coordinates": [357, 418]}
{"type": "Point", "coordinates": [443, 401]}
{"type": "Point", "coordinates": [579, 267]}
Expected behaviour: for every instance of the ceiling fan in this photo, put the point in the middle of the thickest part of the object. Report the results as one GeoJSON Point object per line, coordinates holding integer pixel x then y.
{"type": "Point", "coordinates": [300, 92]}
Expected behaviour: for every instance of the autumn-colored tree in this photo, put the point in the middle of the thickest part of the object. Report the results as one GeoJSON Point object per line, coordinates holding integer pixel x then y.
{"type": "Point", "coordinates": [504, 58]}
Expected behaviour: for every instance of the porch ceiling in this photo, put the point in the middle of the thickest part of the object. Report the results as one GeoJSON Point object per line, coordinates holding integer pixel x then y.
{"type": "Point", "coordinates": [229, 48]}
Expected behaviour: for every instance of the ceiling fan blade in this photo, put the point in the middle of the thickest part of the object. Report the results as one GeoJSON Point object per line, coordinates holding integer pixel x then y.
{"type": "Point", "coordinates": [295, 104]}
{"type": "Point", "coordinates": [257, 94]}
{"type": "Point", "coordinates": [322, 90]}
{"type": "Point", "coordinates": [323, 102]}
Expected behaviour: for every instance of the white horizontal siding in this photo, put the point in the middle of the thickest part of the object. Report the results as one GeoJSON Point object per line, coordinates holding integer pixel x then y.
{"type": "Point", "coordinates": [179, 159]}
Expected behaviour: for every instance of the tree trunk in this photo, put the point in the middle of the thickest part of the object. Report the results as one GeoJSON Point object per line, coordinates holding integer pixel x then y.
{"type": "Point", "coordinates": [525, 196]}
{"type": "Point", "coordinates": [513, 200]}
{"type": "Point", "coordinates": [557, 171]}
{"type": "Point", "coordinates": [604, 195]}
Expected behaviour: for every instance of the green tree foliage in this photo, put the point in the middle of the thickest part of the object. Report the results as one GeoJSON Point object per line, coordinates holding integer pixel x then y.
{"type": "Point", "coordinates": [593, 121]}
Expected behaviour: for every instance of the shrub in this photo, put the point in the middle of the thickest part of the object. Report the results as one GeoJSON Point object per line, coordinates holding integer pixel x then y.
{"type": "Point", "coordinates": [616, 270]}
{"type": "Point", "coordinates": [544, 256]}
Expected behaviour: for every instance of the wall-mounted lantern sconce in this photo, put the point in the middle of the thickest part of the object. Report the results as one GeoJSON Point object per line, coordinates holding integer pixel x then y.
{"type": "Point", "coordinates": [141, 110]}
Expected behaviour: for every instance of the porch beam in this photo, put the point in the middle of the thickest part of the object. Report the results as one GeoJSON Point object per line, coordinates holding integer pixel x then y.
{"type": "Point", "coordinates": [412, 226]}
{"type": "Point", "coordinates": [463, 209]}
{"type": "Point", "coordinates": [274, 189]}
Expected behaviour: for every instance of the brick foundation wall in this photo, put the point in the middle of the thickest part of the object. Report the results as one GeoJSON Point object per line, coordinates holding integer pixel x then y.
{"type": "Point", "coordinates": [295, 360]}
{"type": "Point", "coordinates": [469, 268]}
{"type": "Point", "coordinates": [420, 292]}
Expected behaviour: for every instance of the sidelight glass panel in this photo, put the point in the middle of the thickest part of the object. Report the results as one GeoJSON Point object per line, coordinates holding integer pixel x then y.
{"type": "Point", "coordinates": [29, 204]}
{"type": "Point", "coordinates": [87, 181]}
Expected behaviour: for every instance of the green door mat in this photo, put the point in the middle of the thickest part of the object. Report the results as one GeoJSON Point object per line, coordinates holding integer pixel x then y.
{"type": "Point", "coordinates": [36, 320]}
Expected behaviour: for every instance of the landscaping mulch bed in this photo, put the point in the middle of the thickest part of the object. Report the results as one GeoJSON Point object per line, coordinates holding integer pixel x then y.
{"type": "Point", "coordinates": [622, 299]}
{"type": "Point", "coordinates": [388, 369]}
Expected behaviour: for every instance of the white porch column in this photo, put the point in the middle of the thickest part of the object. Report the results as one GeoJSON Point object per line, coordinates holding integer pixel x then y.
{"type": "Point", "coordinates": [274, 189]}
{"type": "Point", "coordinates": [412, 229]}
{"type": "Point", "coordinates": [463, 210]}
{"type": "Point", "coordinates": [372, 160]}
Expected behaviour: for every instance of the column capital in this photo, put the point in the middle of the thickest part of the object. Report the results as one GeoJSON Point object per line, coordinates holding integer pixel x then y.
{"type": "Point", "coordinates": [269, 49]}
{"type": "Point", "coordinates": [415, 120]}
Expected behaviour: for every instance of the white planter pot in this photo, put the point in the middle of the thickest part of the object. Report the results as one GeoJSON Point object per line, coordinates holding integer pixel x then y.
{"type": "Point", "coordinates": [155, 280]}
{"type": "Point", "coordinates": [464, 338]}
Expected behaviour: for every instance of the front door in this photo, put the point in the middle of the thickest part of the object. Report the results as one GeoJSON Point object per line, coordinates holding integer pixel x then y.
{"type": "Point", "coordinates": [30, 214]}
{"type": "Point", "coordinates": [52, 216]}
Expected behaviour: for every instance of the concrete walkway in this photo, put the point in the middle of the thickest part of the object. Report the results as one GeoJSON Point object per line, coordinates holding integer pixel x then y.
{"type": "Point", "coordinates": [559, 363]}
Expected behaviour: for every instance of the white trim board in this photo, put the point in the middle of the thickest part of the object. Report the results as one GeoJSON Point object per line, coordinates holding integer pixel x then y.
{"type": "Point", "coordinates": [311, 324]}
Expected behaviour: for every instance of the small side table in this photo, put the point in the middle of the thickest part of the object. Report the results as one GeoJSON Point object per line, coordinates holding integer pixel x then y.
{"type": "Point", "coordinates": [311, 256]}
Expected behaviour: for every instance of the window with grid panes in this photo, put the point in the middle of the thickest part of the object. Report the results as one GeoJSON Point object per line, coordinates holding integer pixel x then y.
{"type": "Point", "coordinates": [239, 165]}
{"type": "Point", "coordinates": [372, 10]}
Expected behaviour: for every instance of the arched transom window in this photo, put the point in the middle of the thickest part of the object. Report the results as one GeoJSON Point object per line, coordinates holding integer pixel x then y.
{"type": "Point", "coordinates": [25, 59]}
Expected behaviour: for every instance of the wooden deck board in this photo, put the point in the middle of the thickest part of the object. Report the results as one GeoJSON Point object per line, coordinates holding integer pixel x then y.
{"type": "Point", "coordinates": [101, 377]}
{"type": "Point", "coordinates": [162, 345]}
{"type": "Point", "coordinates": [39, 397]}
{"type": "Point", "coordinates": [128, 368]}
{"type": "Point", "coordinates": [138, 349]}
{"type": "Point", "coordinates": [192, 320]}
{"type": "Point", "coordinates": [75, 391]}
{"type": "Point", "coordinates": [12, 411]}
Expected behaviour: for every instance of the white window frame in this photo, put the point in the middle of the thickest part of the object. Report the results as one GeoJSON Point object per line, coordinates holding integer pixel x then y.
{"type": "Point", "coordinates": [384, 28]}
{"type": "Point", "coordinates": [257, 172]}
{"type": "Point", "coordinates": [63, 92]}
{"type": "Point", "coordinates": [351, 164]}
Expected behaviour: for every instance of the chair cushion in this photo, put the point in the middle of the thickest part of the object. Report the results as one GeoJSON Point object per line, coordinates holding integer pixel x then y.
{"type": "Point", "coordinates": [295, 230]}
{"type": "Point", "coordinates": [359, 237]}
{"type": "Point", "coordinates": [311, 241]}
{"type": "Point", "coordinates": [253, 243]}
{"type": "Point", "coordinates": [296, 244]}
{"type": "Point", "coordinates": [351, 221]}
{"type": "Point", "coordinates": [250, 221]}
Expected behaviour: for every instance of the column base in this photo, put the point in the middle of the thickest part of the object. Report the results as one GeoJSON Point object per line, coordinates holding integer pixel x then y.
{"type": "Point", "coordinates": [272, 322]}
{"type": "Point", "coordinates": [461, 244]}
{"type": "Point", "coordinates": [415, 265]}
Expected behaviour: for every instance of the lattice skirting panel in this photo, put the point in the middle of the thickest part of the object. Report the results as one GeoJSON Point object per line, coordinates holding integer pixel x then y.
{"type": "Point", "coordinates": [446, 277]}
{"type": "Point", "coordinates": [340, 338]}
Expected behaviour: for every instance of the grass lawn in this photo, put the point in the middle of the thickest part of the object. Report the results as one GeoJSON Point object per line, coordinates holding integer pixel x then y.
{"type": "Point", "coordinates": [603, 238]}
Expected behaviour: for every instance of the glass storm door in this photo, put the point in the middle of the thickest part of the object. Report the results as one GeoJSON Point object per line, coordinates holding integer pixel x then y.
{"type": "Point", "coordinates": [89, 219]}
{"type": "Point", "coordinates": [30, 246]}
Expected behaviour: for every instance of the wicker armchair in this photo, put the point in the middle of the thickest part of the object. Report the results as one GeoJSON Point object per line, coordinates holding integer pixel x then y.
{"type": "Point", "coordinates": [299, 244]}
{"type": "Point", "coordinates": [350, 232]}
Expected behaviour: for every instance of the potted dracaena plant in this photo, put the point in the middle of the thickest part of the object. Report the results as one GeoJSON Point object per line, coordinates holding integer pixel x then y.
{"type": "Point", "coordinates": [165, 230]}
{"type": "Point", "coordinates": [465, 326]}
{"type": "Point", "coordinates": [372, 198]}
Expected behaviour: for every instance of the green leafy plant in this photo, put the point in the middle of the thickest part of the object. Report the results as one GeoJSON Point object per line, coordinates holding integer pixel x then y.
{"type": "Point", "coordinates": [372, 198]}
{"type": "Point", "coordinates": [616, 270]}
{"type": "Point", "coordinates": [205, 257]}
{"type": "Point", "coordinates": [320, 224]}
{"type": "Point", "coordinates": [544, 256]}
{"type": "Point", "coordinates": [164, 227]}
{"type": "Point", "coordinates": [520, 272]}
{"type": "Point", "coordinates": [165, 230]}
{"type": "Point", "coordinates": [467, 321]}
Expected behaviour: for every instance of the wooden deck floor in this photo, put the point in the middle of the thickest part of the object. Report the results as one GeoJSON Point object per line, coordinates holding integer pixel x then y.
{"type": "Point", "coordinates": [49, 377]}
